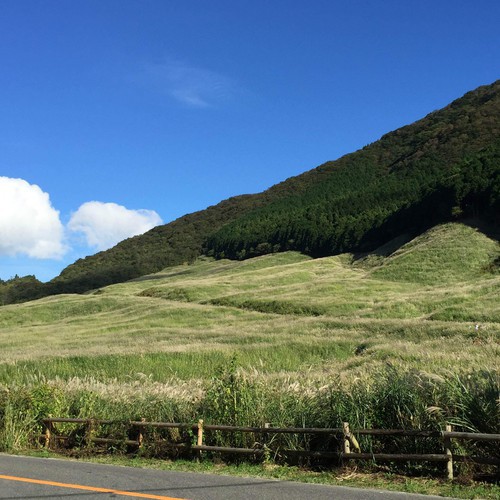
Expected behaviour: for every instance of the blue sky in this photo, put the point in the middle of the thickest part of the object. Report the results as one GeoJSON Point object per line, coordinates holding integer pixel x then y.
{"type": "Point", "coordinates": [117, 115]}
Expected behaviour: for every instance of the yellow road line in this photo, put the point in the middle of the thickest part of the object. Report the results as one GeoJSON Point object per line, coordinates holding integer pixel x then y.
{"type": "Point", "coordinates": [87, 488]}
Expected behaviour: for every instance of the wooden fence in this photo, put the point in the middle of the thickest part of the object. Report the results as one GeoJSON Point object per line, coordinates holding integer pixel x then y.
{"type": "Point", "coordinates": [349, 448]}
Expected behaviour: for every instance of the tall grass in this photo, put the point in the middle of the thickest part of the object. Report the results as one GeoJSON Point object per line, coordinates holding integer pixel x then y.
{"type": "Point", "coordinates": [390, 398]}
{"type": "Point", "coordinates": [181, 365]}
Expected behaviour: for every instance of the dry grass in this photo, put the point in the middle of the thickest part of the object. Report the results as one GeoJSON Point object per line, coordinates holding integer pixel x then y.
{"type": "Point", "coordinates": [286, 315]}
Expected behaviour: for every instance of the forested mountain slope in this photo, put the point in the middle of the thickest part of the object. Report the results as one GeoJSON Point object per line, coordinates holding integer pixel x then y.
{"type": "Point", "coordinates": [443, 167]}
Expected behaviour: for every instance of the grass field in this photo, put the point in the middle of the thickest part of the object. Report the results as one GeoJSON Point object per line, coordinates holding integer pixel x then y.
{"type": "Point", "coordinates": [283, 312]}
{"type": "Point", "coordinates": [302, 329]}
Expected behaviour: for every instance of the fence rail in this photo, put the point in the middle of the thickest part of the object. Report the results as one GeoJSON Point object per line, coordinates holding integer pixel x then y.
{"type": "Point", "coordinates": [349, 448]}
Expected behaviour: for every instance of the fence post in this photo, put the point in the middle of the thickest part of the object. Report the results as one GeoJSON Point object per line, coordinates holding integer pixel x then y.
{"type": "Point", "coordinates": [265, 435]}
{"type": "Point", "coordinates": [140, 437]}
{"type": "Point", "coordinates": [48, 434]}
{"type": "Point", "coordinates": [347, 444]}
{"type": "Point", "coordinates": [447, 447]}
{"type": "Point", "coordinates": [89, 432]}
{"type": "Point", "coordinates": [265, 438]}
{"type": "Point", "coordinates": [199, 441]}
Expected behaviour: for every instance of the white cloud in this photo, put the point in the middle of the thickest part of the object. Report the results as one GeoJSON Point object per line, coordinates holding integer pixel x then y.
{"type": "Point", "coordinates": [106, 224]}
{"type": "Point", "coordinates": [29, 225]}
{"type": "Point", "coordinates": [192, 86]}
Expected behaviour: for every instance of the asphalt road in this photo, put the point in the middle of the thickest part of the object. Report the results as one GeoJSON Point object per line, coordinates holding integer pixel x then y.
{"type": "Point", "coordinates": [42, 478]}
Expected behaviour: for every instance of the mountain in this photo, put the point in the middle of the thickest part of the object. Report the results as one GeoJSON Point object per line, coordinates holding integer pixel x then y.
{"type": "Point", "coordinates": [443, 167]}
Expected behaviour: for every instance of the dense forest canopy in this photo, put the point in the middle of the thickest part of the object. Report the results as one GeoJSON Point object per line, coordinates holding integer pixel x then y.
{"type": "Point", "coordinates": [443, 167]}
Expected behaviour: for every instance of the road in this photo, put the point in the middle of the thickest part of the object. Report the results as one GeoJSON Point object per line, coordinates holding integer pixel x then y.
{"type": "Point", "coordinates": [42, 478]}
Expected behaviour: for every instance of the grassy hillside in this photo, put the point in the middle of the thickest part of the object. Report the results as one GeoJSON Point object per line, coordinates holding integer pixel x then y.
{"type": "Point", "coordinates": [281, 338]}
{"type": "Point", "coordinates": [286, 315]}
{"type": "Point", "coordinates": [444, 167]}
{"type": "Point", "coordinates": [453, 252]}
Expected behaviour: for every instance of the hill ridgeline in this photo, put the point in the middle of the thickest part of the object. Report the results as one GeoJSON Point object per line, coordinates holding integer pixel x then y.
{"type": "Point", "coordinates": [441, 168]}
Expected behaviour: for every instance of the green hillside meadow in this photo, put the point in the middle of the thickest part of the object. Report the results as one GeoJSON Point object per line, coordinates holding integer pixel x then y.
{"type": "Point", "coordinates": [404, 337]}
